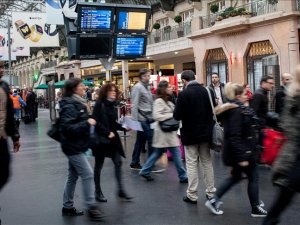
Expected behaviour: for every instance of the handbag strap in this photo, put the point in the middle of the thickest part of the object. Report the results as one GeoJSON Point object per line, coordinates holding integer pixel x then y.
{"type": "Point", "coordinates": [211, 104]}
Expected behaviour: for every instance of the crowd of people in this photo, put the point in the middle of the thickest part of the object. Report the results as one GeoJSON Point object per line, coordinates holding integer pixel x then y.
{"type": "Point", "coordinates": [169, 120]}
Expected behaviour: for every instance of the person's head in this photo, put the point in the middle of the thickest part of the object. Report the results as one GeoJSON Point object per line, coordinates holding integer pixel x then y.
{"type": "Point", "coordinates": [173, 87]}
{"type": "Point", "coordinates": [1, 68]}
{"type": "Point", "coordinates": [109, 91]}
{"type": "Point", "coordinates": [187, 76]}
{"type": "Point", "coordinates": [286, 79]}
{"type": "Point", "coordinates": [145, 75]}
{"type": "Point", "coordinates": [15, 92]}
{"type": "Point", "coordinates": [74, 86]}
{"type": "Point", "coordinates": [267, 83]}
{"type": "Point", "coordinates": [234, 91]}
{"type": "Point", "coordinates": [59, 94]}
{"type": "Point", "coordinates": [247, 87]}
{"type": "Point", "coordinates": [215, 79]}
{"type": "Point", "coordinates": [294, 87]}
{"type": "Point", "coordinates": [164, 90]}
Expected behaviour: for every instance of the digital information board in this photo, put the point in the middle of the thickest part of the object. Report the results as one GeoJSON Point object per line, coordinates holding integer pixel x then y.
{"type": "Point", "coordinates": [94, 19]}
{"type": "Point", "coordinates": [130, 47]}
{"type": "Point", "coordinates": [132, 20]}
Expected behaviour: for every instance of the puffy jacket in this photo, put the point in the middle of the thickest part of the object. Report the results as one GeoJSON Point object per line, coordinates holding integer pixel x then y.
{"type": "Point", "coordinates": [74, 128]}
{"type": "Point", "coordinates": [240, 133]}
{"type": "Point", "coordinates": [17, 101]}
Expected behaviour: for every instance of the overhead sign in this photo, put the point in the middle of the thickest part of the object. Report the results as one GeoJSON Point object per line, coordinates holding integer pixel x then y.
{"type": "Point", "coordinates": [54, 12]}
{"type": "Point", "coordinates": [31, 30]}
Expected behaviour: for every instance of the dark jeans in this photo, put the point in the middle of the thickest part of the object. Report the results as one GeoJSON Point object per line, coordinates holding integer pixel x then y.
{"type": "Point", "coordinates": [147, 134]}
{"type": "Point", "coordinates": [236, 176]}
{"type": "Point", "coordinates": [4, 162]}
{"type": "Point", "coordinates": [138, 147]}
{"type": "Point", "coordinates": [283, 199]}
{"type": "Point", "coordinates": [99, 161]}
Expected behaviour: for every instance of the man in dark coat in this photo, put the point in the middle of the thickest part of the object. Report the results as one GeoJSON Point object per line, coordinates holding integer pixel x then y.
{"type": "Point", "coordinates": [286, 79]}
{"type": "Point", "coordinates": [31, 105]}
{"type": "Point", "coordinates": [218, 88]}
{"type": "Point", "coordinates": [8, 128]}
{"type": "Point", "coordinates": [194, 110]}
{"type": "Point", "coordinates": [260, 101]}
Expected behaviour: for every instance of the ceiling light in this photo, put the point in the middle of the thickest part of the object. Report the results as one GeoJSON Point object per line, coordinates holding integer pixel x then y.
{"type": "Point", "coordinates": [175, 53]}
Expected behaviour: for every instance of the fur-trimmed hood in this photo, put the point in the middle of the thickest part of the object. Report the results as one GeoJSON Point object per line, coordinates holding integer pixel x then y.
{"type": "Point", "coordinates": [225, 107]}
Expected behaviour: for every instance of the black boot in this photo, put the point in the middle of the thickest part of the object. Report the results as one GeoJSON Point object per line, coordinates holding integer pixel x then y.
{"type": "Point", "coordinates": [124, 195]}
{"type": "Point", "coordinates": [71, 212]}
{"type": "Point", "coordinates": [100, 197]}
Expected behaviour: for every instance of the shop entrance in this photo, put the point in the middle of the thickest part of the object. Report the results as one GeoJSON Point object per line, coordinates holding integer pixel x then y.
{"type": "Point", "coordinates": [216, 63]}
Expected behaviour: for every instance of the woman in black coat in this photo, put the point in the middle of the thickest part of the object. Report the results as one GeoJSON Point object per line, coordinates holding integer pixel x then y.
{"type": "Point", "coordinates": [240, 152]}
{"type": "Point", "coordinates": [105, 113]}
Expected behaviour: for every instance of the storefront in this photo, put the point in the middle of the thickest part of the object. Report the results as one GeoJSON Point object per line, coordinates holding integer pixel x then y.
{"type": "Point", "coordinates": [216, 62]}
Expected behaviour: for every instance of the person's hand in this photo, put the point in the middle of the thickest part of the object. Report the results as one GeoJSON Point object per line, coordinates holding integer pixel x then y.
{"type": "Point", "coordinates": [111, 135]}
{"type": "Point", "coordinates": [244, 163]}
{"type": "Point", "coordinates": [91, 121]}
{"type": "Point", "coordinates": [16, 146]}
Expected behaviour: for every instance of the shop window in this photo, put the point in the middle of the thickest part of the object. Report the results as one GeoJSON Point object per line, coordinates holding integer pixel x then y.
{"type": "Point", "coordinates": [71, 75]}
{"type": "Point", "coordinates": [216, 63]}
{"type": "Point", "coordinates": [262, 60]}
{"type": "Point", "coordinates": [62, 77]}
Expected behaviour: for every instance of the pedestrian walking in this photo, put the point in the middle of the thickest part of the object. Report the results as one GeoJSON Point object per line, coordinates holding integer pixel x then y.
{"type": "Point", "coordinates": [142, 106]}
{"type": "Point", "coordinates": [75, 135]}
{"type": "Point", "coordinates": [8, 128]}
{"type": "Point", "coordinates": [105, 113]}
{"type": "Point", "coordinates": [194, 110]}
{"type": "Point", "coordinates": [286, 80]}
{"type": "Point", "coordinates": [240, 148]}
{"type": "Point", "coordinates": [163, 110]}
{"type": "Point", "coordinates": [286, 169]}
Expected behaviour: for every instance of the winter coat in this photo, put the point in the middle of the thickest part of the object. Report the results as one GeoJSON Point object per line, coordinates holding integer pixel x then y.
{"type": "Point", "coordinates": [222, 91]}
{"type": "Point", "coordinates": [287, 165]}
{"type": "Point", "coordinates": [163, 110]}
{"type": "Point", "coordinates": [10, 125]}
{"type": "Point", "coordinates": [105, 113]}
{"type": "Point", "coordinates": [74, 128]}
{"type": "Point", "coordinates": [260, 103]}
{"type": "Point", "coordinates": [279, 100]}
{"type": "Point", "coordinates": [240, 135]}
{"type": "Point", "coordinates": [194, 110]}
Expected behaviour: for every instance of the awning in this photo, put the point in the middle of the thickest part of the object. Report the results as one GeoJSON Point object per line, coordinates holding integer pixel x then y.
{"type": "Point", "coordinates": [41, 86]}
{"type": "Point", "coordinates": [61, 84]}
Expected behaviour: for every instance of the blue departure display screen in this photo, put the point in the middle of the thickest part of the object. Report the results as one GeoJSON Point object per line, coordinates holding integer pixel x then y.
{"type": "Point", "coordinates": [130, 46]}
{"type": "Point", "coordinates": [94, 19]}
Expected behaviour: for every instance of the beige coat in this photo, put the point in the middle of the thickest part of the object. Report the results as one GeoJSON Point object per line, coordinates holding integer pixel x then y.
{"type": "Point", "coordinates": [163, 111]}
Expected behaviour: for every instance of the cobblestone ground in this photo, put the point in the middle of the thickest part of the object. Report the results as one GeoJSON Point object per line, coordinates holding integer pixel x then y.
{"type": "Point", "coordinates": [34, 194]}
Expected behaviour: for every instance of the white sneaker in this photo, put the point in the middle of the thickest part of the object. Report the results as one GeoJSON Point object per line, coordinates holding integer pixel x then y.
{"type": "Point", "coordinates": [213, 206]}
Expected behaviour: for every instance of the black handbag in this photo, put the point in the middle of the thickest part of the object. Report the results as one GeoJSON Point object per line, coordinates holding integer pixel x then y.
{"type": "Point", "coordinates": [96, 139]}
{"type": "Point", "coordinates": [169, 125]}
{"type": "Point", "coordinates": [54, 132]}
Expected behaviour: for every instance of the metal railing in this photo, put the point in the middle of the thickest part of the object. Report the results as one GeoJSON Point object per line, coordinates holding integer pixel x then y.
{"type": "Point", "coordinates": [257, 8]}
{"type": "Point", "coordinates": [170, 33]}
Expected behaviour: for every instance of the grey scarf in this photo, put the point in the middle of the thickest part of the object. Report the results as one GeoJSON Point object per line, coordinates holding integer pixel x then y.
{"type": "Point", "coordinates": [81, 100]}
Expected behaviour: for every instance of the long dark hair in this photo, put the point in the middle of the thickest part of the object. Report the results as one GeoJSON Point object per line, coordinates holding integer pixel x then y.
{"type": "Point", "coordinates": [70, 86]}
{"type": "Point", "coordinates": [161, 91]}
{"type": "Point", "coordinates": [105, 89]}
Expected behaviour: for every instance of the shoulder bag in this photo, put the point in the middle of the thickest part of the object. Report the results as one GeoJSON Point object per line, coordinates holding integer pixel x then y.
{"type": "Point", "coordinates": [169, 125]}
{"type": "Point", "coordinates": [218, 131]}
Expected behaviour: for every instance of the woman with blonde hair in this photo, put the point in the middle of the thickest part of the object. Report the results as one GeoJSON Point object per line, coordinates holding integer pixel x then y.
{"type": "Point", "coordinates": [240, 148]}
{"type": "Point", "coordinates": [286, 168]}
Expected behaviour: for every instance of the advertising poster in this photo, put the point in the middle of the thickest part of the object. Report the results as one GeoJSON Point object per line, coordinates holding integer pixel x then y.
{"type": "Point", "coordinates": [54, 12]}
{"type": "Point", "coordinates": [31, 30]}
{"type": "Point", "coordinates": [15, 51]}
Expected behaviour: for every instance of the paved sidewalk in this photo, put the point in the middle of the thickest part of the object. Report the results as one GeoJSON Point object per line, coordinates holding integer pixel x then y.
{"type": "Point", "coordinates": [34, 194]}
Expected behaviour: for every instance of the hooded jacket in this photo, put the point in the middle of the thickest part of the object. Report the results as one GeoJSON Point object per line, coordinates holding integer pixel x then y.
{"type": "Point", "coordinates": [74, 128]}
{"type": "Point", "coordinates": [240, 136]}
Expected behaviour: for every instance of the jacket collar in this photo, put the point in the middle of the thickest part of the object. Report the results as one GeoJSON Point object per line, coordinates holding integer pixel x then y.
{"type": "Point", "coordinates": [193, 82]}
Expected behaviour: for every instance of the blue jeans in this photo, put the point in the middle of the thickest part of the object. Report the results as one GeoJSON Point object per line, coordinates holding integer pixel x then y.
{"type": "Point", "coordinates": [79, 166]}
{"type": "Point", "coordinates": [146, 170]}
{"type": "Point", "coordinates": [17, 113]}
{"type": "Point", "coordinates": [140, 140]}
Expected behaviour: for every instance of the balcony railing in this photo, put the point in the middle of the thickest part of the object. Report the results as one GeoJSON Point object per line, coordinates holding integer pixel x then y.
{"type": "Point", "coordinates": [257, 8]}
{"type": "Point", "coordinates": [170, 33]}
